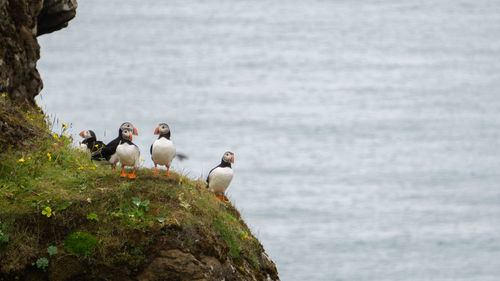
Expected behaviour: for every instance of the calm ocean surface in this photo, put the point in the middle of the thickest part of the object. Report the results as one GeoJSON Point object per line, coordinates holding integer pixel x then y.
{"type": "Point", "coordinates": [366, 133]}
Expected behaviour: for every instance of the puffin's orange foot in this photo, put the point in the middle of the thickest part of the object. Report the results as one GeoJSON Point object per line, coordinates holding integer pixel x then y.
{"type": "Point", "coordinates": [131, 176]}
{"type": "Point", "coordinates": [224, 199]}
{"type": "Point", "coordinates": [112, 167]}
{"type": "Point", "coordinates": [216, 198]}
{"type": "Point", "coordinates": [123, 175]}
{"type": "Point", "coordinates": [155, 171]}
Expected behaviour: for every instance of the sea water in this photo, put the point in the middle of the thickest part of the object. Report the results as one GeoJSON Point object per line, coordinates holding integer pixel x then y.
{"type": "Point", "coordinates": [366, 133]}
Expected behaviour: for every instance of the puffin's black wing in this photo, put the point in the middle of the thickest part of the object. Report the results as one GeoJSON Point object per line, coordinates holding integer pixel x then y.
{"type": "Point", "coordinates": [110, 148]}
{"type": "Point", "coordinates": [151, 150]}
{"type": "Point", "coordinates": [181, 156]}
{"type": "Point", "coordinates": [114, 143]}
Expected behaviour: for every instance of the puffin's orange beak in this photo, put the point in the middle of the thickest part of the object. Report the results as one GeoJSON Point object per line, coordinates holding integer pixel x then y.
{"type": "Point", "coordinates": [131, 137]}
{"type": "Point", "coordinates": [81, 133]}
{"type": "Point", "coordinates": [135, 132]}
{"type": "Point", "coordinates": [157, 130]}
{"type": "Point", "coordinates": [232, 159]}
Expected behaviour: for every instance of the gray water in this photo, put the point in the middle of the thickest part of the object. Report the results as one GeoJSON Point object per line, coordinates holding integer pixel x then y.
{"type": "Point", "coordinates": [365, 132]}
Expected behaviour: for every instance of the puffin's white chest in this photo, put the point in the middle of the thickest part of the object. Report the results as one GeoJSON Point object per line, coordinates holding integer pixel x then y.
{"type": "Point", "coordinates": [219, 179]}
{"type": "Point", "coordinates": [128, 154]}
{"type": "Point", "coordinates": [163, 152]}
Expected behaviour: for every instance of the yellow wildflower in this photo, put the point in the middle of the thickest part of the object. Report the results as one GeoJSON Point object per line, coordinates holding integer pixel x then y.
{"type": "Point", "coordinates": [243, 235]}
{"type": "Point", "coordinates": [21, 160]}
{"type": "Point", "coordinates": [96, 145]}
{"type": "Point", "coordinates": [56, 136]}
{"type": "Point", "coordinates": [80, 168]}
{"type": "Point", "coordinates": [180, 180]}
{"type": "Point", "coordinates": [64, 125]}
{"type": "Point", "coordinates": [4, 95]}
{"type": "Point", "coordinates": [64, 135]}
{"type": "Point", "coordinates": [29, 157]}
{"type": "Point", "coordinates": [92, 168]}
{"type": "Point", "coordinates": [49, 156]}
{"type": "Point", "coordinates": [47, 212]}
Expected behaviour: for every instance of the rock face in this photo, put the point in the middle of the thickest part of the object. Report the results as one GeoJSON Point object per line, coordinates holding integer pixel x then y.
{"type": "Point", "coordinates": [177, 265]}
{"type": "Point", "coordinates": [55, 15]}
{"type": "Point", "coordinates": [21, 21]}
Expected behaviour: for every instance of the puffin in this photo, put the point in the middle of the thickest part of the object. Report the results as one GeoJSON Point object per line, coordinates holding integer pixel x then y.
{"type": "Point", "coordinates": [220, 177]}
{"type": "Point", "coordinates": [93, 145]}
{"type": "Point", "coordinates": [109, 150]}
{"type": "Point", "coordinates": [162, 150]}
{"type": "Point", "coordinates": [128, 153]}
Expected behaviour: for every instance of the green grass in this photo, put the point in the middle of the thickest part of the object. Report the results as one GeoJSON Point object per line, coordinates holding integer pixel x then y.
{"type": "Point", "coordinates": [51, 194]}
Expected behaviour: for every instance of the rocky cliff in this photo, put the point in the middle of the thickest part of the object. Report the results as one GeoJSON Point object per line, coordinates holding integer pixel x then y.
{"type": "Point", "coordinates": [21, 21]}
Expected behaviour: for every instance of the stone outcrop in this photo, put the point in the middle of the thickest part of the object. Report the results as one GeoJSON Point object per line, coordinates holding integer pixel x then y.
{"type": "Point", "coordinates": [177, 265]}
{"type": "Point", "coordinates": [55, 15]}
{"type": "Point", "coordinates": [21, 21]}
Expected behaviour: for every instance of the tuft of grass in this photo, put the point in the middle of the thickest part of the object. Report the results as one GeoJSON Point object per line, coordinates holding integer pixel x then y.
{"type": "Point", "coordinates": [228, 231]}
{"type": "Point", "coordinates": [80, 243]}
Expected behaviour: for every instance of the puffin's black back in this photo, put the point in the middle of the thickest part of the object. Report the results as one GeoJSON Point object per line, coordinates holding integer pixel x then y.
{"type": "Point", "coordinates": [110, 148]}
{"type": "Point", "coordinates": [97, 151]}
{"type": "Point", "coordinates": [94, 146]}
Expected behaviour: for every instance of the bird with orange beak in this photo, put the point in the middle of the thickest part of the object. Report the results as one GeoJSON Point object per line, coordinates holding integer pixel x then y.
{"type": "Point", "coordinates": [128, 153]}
{"type": "Point", "coordinates": [220, 177]}
{"type": "Point", "coordinates": [162, 150]}
{"type": "Point", "coordinates": [109, 150]}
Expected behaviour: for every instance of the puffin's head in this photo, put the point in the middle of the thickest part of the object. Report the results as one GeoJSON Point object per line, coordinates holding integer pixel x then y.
{"type": "Point", "coordinates": [127, 134]}
{"type": "Point", "coordinates": [87, 134]}
{"type": "Point", "coordinates": [162, 129]}
{"type": "Point", "coordinates": [128, 125]}
{"type": "Point", "coordinates": [228, 157]}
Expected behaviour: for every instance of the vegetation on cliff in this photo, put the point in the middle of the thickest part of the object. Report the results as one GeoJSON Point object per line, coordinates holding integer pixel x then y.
{"type": "Point", "coordinates": [64, 217]}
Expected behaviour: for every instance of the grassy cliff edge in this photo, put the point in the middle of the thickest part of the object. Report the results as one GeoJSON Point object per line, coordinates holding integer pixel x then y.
{"type": "Point", "coordinates": [64, 217]}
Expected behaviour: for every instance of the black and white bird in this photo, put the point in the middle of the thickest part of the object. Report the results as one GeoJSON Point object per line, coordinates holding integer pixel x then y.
{"type": "Point", "coordinates": [220, 177]}
{"type": "Point", "coordinates": [109, 150]}
{"type": "Point", "coordinates": [94, 146]}
{"type": "Point", "coordinates": [128, 153]}
{"type": "Point", "coordinates": [162, 150]}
